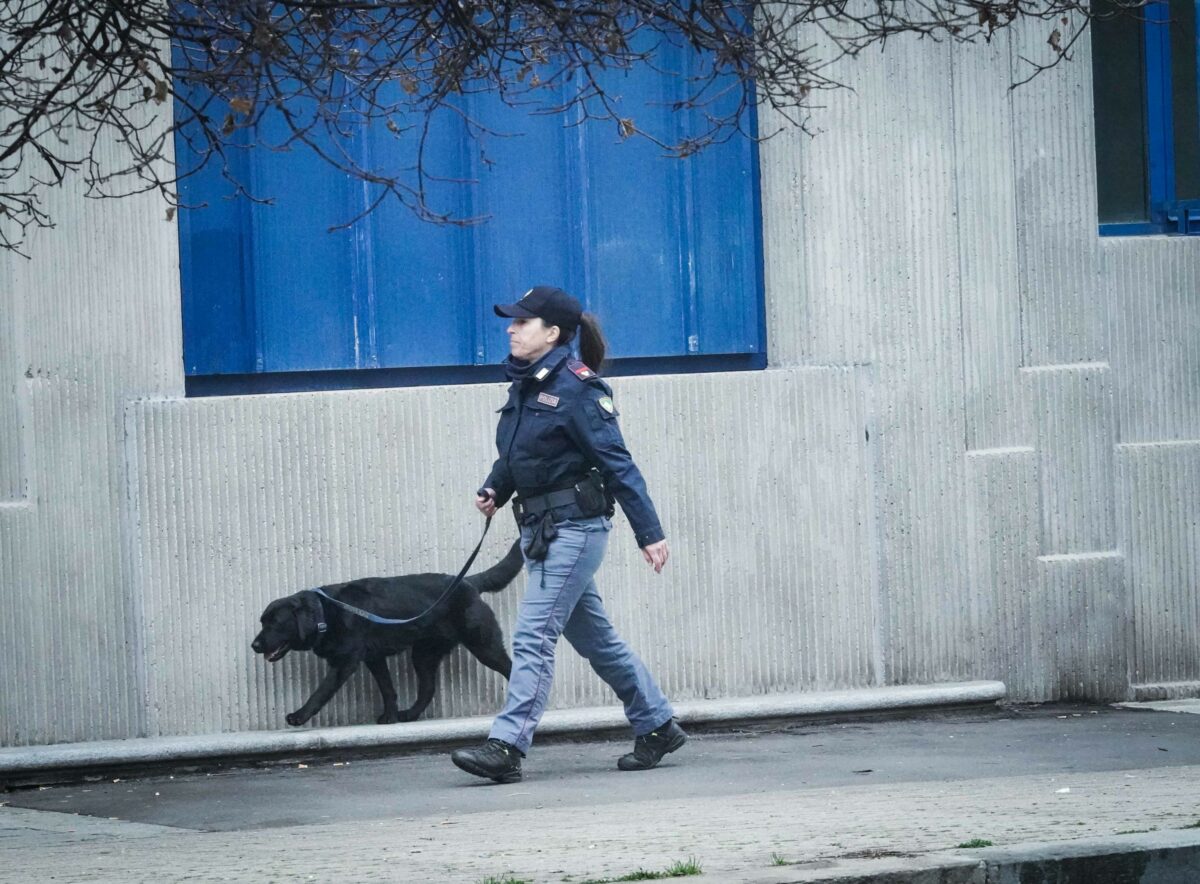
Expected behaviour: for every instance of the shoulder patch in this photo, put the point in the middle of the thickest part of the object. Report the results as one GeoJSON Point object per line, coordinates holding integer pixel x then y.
{"type": "Point", "coordinates": [606, 403]}
{"type": "Point", "coordinates": [580, 370]}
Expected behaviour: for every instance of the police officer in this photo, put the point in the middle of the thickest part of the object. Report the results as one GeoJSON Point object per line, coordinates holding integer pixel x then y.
{"type": "Point", "coordinates": [562, 454]}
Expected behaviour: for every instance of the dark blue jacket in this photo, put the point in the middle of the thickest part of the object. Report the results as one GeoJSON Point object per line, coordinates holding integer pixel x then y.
{"type": "Point", "coordinates": [558, 423]}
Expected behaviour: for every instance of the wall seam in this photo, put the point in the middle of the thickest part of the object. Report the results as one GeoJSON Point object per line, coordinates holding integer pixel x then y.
{"type": "Point", "coordinates": [958, 248]}
{"type": "Point", "coordinates": [130, 529]}
{"type": "Point", "coordinates": [875, 509]}
{"type": "Point", "coordinates": [23, 493]}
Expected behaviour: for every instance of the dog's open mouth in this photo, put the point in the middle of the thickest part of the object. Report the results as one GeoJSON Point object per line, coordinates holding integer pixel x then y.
{"type": "Point", "coordinates": [278, 653]}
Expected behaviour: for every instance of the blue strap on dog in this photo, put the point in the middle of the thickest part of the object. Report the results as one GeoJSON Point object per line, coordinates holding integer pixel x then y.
{"type": "Point", "coordinates": [388, 621]}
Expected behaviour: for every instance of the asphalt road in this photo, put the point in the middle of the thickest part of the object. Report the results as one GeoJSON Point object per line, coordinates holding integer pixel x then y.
{"type": "Point", "coordinates": [931, 747]}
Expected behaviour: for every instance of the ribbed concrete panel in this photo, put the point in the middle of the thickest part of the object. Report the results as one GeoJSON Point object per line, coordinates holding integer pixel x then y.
{"type": "Point", "coordinates": [865, 260]}
{"type": "Point", "coordinates": [913, 298]}
{"type": "Point", "coordinates": [18, 692]}
{"type": "Point", "coordinates": [1076, 431]}
{"type": "Point", "coordinates": [249, 499]}
{"type": "Point", "coordinates": [776, 581]}
{"type": "Point", "coordinates": [243, 500]}
{"type": "Point", "coordinates": [1154, 286]}
{"type": "Point", "coordinates": [781, 173]}
{"type": "Point", "coordinates": [1160, 527]}
{"type": "Point", "coordinates": [1063, 308]}
{"type": "Point", "coordinates": [1010, 627]}
{"type": "Point", "coordinates": [16, 514]}
{"type": "Point", "coordinates": [878, 284]}
{"type": "Point", "coordinates": [921, 500]}
{"type": "Point", "coordinates": [13, 486]}
{"type": "Point", "coordinates": [99, 305]}
{"type": "Point", "coordinates": [989, 276]}
{"type": "Point", "coordinates": [1085, 601]}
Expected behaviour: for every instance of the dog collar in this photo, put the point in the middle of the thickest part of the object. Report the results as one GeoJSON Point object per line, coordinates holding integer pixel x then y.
{"type": "Point", "coordinates": [322, 626]}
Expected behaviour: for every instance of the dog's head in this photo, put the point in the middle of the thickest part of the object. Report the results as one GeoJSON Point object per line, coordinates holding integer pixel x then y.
{"type": "Point", "coordinates": [288, 624]}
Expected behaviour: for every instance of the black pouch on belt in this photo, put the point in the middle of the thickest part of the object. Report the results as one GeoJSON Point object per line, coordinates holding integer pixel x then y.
{"type": "Point", "coordinates": [543, 533]}
{"type": "Point", "coordinates": [591, 496]}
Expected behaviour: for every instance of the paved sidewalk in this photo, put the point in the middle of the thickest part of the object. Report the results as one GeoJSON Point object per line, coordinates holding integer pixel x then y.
{"type": "Point", "coordinates": [735, 802]}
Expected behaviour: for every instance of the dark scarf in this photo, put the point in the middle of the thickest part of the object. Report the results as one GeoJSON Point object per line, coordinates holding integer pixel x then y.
{"type": "Point", "coordinates": [518, 370]}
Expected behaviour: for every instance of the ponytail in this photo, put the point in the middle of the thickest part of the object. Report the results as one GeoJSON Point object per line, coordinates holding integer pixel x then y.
{"type": "Point", "coordinates": [592, 345]}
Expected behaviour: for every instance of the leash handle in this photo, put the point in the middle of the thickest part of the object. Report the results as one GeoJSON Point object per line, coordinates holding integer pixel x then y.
{"type": "Point", "coordinates": [387, 621]}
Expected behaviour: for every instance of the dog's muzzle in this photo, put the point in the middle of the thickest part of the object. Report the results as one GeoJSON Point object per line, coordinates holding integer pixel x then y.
{"type": "Point", "coordinates": [259, 647]}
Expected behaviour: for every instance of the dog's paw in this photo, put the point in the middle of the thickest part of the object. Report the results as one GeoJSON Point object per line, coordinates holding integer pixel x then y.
{"type": "Point", "coordinates": [388, 718]}
{"type": "Point", "coordinates": [407, 715]}
{"type": "Point", "coordinates": [295, 719]}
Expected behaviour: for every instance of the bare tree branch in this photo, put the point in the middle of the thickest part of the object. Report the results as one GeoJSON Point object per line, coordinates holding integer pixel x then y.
{"type": "Point", "coordinates": [98, 88]}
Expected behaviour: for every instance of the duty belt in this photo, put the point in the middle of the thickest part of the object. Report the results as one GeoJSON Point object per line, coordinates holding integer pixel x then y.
{"type": "Point", "coordinates": [538, 504]}
{"type": "Point", "coordinates": [583, 499]}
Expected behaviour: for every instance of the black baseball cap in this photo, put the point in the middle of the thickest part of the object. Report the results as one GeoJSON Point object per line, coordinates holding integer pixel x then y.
{"type": "Point", "coordinates": [552, 305]}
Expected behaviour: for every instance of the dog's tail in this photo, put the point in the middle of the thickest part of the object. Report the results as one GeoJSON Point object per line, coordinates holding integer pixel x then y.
{"type": "Point", "coordinates": [501, 574]}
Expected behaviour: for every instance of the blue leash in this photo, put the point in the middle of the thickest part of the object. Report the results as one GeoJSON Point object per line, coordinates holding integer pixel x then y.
{"type": "Point", "coordinates": [387, 621]}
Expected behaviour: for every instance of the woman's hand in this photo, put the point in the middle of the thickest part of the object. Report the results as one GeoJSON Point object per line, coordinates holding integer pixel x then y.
{"type": "Point", "coordinates": [486, 502]}
{"type": "Point", "coordinates": [656, 555]}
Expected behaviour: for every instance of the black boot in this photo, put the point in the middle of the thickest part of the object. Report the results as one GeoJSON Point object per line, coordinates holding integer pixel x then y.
{"type": "Point", "coordinates": [649, 749]}
{"type": "Point", "coordinates": [495, 759]}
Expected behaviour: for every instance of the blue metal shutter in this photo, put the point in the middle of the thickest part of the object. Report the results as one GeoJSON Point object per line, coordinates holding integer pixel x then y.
{"type": "Point", "coordinates": [665, 251]}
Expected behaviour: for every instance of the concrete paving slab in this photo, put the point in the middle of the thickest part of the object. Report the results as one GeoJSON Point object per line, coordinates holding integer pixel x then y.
{"type": "Point", "coordinates": [737, 802]}
{"type": "Point", "coordinates": [1190, 707]}
{"type": "Point", "coordinates": [1144, 858]}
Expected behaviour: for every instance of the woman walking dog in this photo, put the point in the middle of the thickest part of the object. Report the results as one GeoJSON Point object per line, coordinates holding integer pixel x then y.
{"type": "Point", "coordinates": [562, 454]}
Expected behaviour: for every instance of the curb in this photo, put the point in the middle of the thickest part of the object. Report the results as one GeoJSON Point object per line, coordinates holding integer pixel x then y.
{"type": "Point", "coordinates": [1171, 857]}
{"type": "Point", "coordinates": [21, 762]}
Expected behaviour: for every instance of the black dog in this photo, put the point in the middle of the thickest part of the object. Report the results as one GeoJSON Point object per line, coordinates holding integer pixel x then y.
{"type": "Point", "coordinates": [291, 624]}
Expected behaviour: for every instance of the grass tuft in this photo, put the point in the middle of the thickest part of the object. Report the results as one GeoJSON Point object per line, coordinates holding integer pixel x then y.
{"type": "Point", "coordinates": [973, 843]}
{"type": "Point", "coordinates": [507, 879]}
{"type": "Point", "coordinates": [678, 869]}
{"type": "Point", "coordinates": [778, 859]}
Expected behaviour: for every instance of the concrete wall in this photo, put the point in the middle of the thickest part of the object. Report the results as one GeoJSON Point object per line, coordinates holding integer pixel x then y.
{"type": "Point", "coordinates": [976, 453]}
{"type": "Point", "coordinates": [244, 499]}
{"type": "Point", "coordinates": [89, 323]}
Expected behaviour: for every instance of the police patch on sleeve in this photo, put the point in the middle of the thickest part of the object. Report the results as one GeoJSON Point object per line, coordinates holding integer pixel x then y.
{"type": "Point", "coordinates": [606, 403]}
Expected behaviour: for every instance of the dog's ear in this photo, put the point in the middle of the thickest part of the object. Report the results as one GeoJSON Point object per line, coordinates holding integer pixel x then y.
{"type": "Point", "coordinates": [307, 609]}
